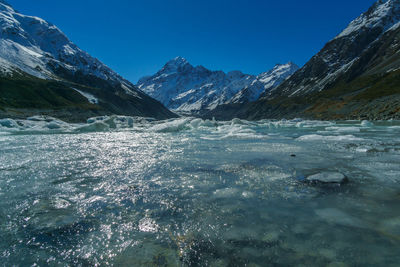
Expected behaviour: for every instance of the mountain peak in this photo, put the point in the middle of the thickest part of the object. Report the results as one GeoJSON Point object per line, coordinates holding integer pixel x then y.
{"type": "Point", "coordinates": [178, 61]}
{"type": "Point", "coordinates": [384, 14]}
{"type": "Point", "coordinates": [279, 69]}
{"type": "Point", "coordinates": [291, 63]}
{"type": "Point", "coordinates": [182, 87]}
{"type": "Point", "coordinates": [286, 65]}
{"type": "Point", "coordinates": [177, 64]}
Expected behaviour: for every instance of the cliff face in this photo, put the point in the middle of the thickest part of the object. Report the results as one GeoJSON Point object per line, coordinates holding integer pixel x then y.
{"type": "Point", "coordinates": [356, 75]}
{"type": "Point", "coordinates": [33, 51]}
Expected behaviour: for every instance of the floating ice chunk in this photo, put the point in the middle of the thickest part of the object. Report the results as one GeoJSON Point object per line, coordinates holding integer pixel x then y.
{"type": "Point", "coordinates": [91, 120]}
{"type": "Point", "coordinates": [117, 122]}
{"type": "Point", "coordinates": [130, 122]}
{"type": "Point", "coordinates": [96, 119]}
{"type": "Point", "coordinates": [93, 127]}
{"type": "Point", "coordinates": [328, 178]}
{"type": "Point", "coordinates": [39, 118]}
{"type": "Point", "coordinates": [9, 123]}
{"type": "Point", "coordinates": [363, 149]}
{"type": "Point", "coordinates": [53, 125]}
{"type": "Point", "coordinates": [245, 134]}
{"type": "Point", "coordinates": [172, 126]}
{"type": "Point", "coordinates": [247, 194]}
{"type": "Point", "coordinates": [110, 122]}
{"type": "Point", "coordinates": [226, 192]}
{"type": "Point", "coordinates": [196, 123]}
{"type": "Point", "coordinates": [317, 137]}
{"type": "Point", "coordinates": [237, 121]}
{"type": "Point", "coordinates": [366, 123]}
{"type": "Point", "coordinates": [313, 124]}
{"type": "Point", "coordinates": [343, 129]}
{"type": "Point", "coordinates": [209, 123]}
{"type": "Point", "coordinates": [105, 119]}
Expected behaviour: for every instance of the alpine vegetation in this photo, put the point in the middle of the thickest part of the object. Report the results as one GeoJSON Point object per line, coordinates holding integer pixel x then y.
{"type": "Point", "coordinates": [43, 72]}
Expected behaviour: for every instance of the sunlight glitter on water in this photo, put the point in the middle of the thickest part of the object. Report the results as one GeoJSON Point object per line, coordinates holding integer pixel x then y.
{"type": "Point", "coordinates": [192, 192]}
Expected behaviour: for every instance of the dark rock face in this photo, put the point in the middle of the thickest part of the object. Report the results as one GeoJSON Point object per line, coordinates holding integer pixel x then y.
{"type": "Point", "coordinates": [118, 100]}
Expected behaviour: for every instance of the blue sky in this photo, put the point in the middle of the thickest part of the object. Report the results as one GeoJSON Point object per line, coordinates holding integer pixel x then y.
{"type": "Point", "coordinates": [137, 38]}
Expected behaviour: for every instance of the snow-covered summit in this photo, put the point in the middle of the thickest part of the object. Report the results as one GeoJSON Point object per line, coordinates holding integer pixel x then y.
{"type": "Point", "coordinates": [37, 47]}
{"type": "Point", "coordinates": [184, 87]}
{"type": "Point", "coordinates": [384, 14]}
{"type": "Point", "coordinates": [341, 53]}
{"type": "Point", "coordinates": [277, 75]}
{"type": "Point", "coordinates": [177, 62]}
{"type": "Point", "coordinates": [265, 83]}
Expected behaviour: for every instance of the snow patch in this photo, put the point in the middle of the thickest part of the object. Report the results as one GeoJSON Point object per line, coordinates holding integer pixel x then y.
{"type": "Point", "coordinates": [383, 14]}
{"type": "Point", "coordinates": [91, 98]}
{"type": "Point", "coordinates": [30, 44]}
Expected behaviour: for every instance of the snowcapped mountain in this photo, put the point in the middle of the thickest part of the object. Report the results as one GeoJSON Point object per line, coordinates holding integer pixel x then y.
{"type": "Point", "coordinates": [383, 14]}
{"type": "Point", "coordinates": [32, 46]}
{"type": "Point", "coordinates": [355, 76]}
{"type": "Point", "coordinates": [185, 88]}
{"type": "Point", "coordinates": [343, 51]}
{"type": "Point", "coordinates": [265, 83]}
{"type": "Point", "coordinates": [39, 48]}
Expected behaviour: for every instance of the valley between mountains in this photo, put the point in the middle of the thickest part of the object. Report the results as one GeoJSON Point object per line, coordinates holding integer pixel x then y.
{"type": "Point", "coordinates": [356, 75]}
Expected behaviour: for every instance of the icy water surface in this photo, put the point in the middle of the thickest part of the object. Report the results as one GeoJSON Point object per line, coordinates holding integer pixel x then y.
{"type": "Point", "coordinates": [131, 192]}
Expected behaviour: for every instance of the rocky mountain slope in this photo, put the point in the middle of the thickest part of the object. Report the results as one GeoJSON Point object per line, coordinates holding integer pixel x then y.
{"type": "Point", "coordinates": [356, 75]}
{"type": "Point", "coordinates": [185, 88]}
{"type": "Point", "coordinates": [35, 51]}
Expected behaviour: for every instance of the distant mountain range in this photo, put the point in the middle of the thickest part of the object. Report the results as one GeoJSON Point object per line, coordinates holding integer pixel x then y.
{"type": "Point", "coordinates": [355, 76]}
{"type": "Point", "coordinates": [188, 89]}
{"type": "Point", "coordinates": [42, 71]}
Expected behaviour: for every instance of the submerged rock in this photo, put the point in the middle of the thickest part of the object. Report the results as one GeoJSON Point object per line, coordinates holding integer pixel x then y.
{"type": "Point", "coordinates": [328, 178]}
{"type": "Point", "coordinates": [391, 228]}
{"type": "Point", "coordinates": [336, 216]}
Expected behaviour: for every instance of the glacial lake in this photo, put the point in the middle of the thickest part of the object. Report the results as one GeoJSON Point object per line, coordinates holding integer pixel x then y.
{"type": "Point", "coordinates": [124, 191]}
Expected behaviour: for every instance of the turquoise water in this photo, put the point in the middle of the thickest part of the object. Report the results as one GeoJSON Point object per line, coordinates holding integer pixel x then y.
{"type": "Point", "coordinates": [186, 192]}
